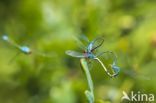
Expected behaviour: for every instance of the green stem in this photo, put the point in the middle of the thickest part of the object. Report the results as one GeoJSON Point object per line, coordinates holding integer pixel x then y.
{"type": "Point", "coordinates": [89, 94]}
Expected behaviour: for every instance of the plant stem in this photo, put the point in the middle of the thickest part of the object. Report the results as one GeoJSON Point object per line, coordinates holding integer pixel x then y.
{"type": "Point", "coordinates": [89, 94]}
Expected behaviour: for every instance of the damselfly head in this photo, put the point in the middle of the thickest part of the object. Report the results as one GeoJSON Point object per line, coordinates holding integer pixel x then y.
{"type": "Point", "coordinates": [85, 51]}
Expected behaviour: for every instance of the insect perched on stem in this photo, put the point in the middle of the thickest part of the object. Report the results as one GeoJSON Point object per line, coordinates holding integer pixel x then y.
{"type": "Point", "coordinates": [89, 54]}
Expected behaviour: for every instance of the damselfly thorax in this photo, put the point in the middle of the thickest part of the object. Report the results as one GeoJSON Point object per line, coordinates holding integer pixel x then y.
{"type": "Point", "coordinates": [26, 50]}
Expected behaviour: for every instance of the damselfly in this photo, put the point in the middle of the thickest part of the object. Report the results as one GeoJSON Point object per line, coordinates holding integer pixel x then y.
{"type": "Point", "coordinates": [88, 53]}
{"type": "Point", "coordinates": [25, 49]}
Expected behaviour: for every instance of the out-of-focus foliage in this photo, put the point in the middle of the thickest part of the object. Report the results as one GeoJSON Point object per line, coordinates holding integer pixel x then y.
{"type": "Point", "coordinates": [129, 29]}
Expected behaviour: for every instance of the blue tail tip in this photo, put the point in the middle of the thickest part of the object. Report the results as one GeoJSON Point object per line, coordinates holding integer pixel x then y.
{"type": "Point", "coordinates": [4, 37]}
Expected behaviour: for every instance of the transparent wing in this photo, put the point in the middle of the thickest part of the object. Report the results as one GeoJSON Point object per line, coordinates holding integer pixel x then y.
{"type": "Point", "coordinates": [75, 54]}
{"type": "Point", "coordinates": [84, 38]}
{"type": "Point", "coordinates": [97, 43]}
{"type": "Point", "coordinates": [81, 36]}
{"type": "Point", "coordinates": [11, 42]}
{"type": "Point", "coordinates": [113, 55]}
{"type": "Point", "coordinates": [48, 55]}
{"type": "Point", "coordinates": [12, 59]}
{"type": "Point", "coordinates": [79, 42]}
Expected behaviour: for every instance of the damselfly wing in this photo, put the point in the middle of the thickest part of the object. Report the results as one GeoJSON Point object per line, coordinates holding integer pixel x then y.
{"type": "Point", "coordinates": [76, 54]}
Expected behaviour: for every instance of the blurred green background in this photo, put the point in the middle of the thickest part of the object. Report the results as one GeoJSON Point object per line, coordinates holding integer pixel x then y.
{"type": "Point", "coordinates": [128, 27]}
